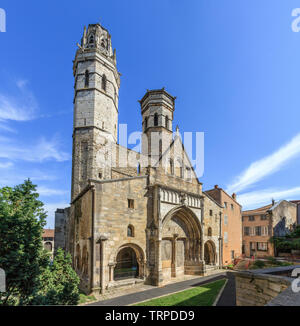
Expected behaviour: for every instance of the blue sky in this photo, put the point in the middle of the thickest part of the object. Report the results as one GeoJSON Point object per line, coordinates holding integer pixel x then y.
{"type": "Point", "coordinates": [233, 65]}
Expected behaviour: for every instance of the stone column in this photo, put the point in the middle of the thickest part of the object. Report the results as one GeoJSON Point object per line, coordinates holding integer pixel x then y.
{"type": "Point", "coordinates": [111, 271]}
{"type": "Point", "coordinates": [101, 241]}
{"type": "Point", "coordinates": [158, 263]}
{"type": "Point", "coordinates": [174, 253]}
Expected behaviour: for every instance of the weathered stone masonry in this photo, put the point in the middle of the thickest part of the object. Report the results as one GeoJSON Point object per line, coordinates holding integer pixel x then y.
{"type": "Point", "coordinates": [147, 221]}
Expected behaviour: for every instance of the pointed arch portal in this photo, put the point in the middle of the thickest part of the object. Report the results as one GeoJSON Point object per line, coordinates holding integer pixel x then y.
{"type": "Point", "coordinates": [181, 248]}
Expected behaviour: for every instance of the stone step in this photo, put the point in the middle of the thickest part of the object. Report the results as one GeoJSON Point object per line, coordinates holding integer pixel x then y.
{"type": "Point", "coordinates": [124, 283]}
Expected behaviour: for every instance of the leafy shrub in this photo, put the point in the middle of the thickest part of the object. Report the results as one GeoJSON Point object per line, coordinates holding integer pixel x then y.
{"type": "Point", "coordinates": [258, 264]}
{"type": "Point", "coordinates": [59, 283]}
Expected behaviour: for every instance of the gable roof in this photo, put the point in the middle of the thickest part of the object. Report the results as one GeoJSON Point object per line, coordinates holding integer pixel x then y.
{"type": "Point", "coordinates": [267, 208]}
{"type": "Point", "coordinates": [48, 233]}
{"type": "Point", "coordinates": [212, 199]}
{"type": "Point", "coordinates": [221, 189]}
{"type": "Point", "coordinates": [178, 138]}
{"type": "Point", "coordinates": [257, 211]}
{"type": "Point", "coordinates": [295, 201]}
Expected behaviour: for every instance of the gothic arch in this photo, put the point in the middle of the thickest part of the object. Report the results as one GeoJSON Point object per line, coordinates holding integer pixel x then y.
{"type": "Point", "coordinates": [188, 217]}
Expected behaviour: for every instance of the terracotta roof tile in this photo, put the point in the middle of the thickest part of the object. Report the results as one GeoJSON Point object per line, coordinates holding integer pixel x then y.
{"type": "Point", "coordinates": [257, 211]}
{"type": "Point", "coordinates": [48, 233]}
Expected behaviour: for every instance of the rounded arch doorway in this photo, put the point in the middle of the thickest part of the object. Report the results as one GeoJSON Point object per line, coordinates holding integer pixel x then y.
{"type": "Point", "coordinates": [127, 265]}
{"type": "Point", "coordinates": [209, 253]}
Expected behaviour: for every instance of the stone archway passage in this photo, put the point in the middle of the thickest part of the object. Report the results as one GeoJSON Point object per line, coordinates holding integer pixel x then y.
{"type": "Point", "coordinates": [48, 246]}
{"type": "Point", "coordinates": [209, 253]}
{"type": "Point", "coordinates": [127, 265]}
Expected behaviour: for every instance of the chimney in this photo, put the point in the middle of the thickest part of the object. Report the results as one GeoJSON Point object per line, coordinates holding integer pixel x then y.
{"type": "Point", "coordinates": [216, 187]}
{"type": "Point", "coordinates": [234, 196]}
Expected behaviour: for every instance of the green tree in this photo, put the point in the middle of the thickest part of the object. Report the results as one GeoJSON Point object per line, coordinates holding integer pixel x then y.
{"type": "Point", "coordinates": [59, 282]}
{"type": "Point", "coordinates": [22, 219]}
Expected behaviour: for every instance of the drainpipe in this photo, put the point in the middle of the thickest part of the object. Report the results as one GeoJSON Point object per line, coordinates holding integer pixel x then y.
{"type": "Point", "coordinates": [220, 243]}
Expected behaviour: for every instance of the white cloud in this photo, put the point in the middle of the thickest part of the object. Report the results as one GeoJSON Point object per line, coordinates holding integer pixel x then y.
{"type": "Point", "coordinates": [42, 151]}
{"type": "Point", "coordinates": [266, 166]}
{"type": "Point", "coordinates": [21, 107]}
{"type": "Point", "coordinates": [44, 191]}
{"type": "Point", "coordinates": [5, 127]}
{"type": "Point", "coordinates": [263, 197]}
{"type": "Point", "coordinates": [11, 110]}
{"type": "Point", "coordinates": [6, 165]}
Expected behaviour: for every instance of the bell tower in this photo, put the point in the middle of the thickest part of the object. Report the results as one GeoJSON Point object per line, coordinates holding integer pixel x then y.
{"type": "Point", "coordinates": [95, 124]}
{"type": "Point", "coordinates": [157, 108]}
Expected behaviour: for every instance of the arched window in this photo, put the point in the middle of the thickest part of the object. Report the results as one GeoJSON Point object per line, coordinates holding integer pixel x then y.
{"type": "Point", "coordinates": [209, 232]}
{"type": "Point", "coordinates": [188, 173]}
{"type": "Point", "coordinates": [91, 39]}
{"type": "Point", "coordinates": [171, 166]}
{"type": "Point", "coordinates": [155, 119]}
{"type": "Point", "coordinates": [103, 43]}
{"type": "Point", "coordinates": [103, 83]}
{"type": "Point", "coordinates": [167, 122]}
{"type": "Point", "coordinates": [181, 170]}
{"type": "Point", "coordinates": [146, 123]}
{"type": "Point", "coordinates": [86, 79]}
{"type": "Point", "coordinates": [130, 231]}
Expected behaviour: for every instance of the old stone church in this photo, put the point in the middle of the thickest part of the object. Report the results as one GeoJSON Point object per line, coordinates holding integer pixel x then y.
{"type": "Point", "coordinates": [134, 216]}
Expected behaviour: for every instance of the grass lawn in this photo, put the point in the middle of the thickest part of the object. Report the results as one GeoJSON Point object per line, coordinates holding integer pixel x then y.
{"type": "Point", "coordinates": [85, 298]}
{"type": "Point", "coordinates": [204, 295]}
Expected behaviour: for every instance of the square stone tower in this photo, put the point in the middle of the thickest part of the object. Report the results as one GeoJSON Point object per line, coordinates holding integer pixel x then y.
{"type": "Point", "coordinates": [95, 125]}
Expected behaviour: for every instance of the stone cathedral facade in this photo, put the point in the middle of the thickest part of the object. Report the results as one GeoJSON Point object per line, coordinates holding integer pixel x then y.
{"type": "Point", "coordinates": [134, 216]}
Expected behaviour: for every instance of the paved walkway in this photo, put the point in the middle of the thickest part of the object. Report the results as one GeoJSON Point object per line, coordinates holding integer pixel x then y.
{"type": "Point", "coordinates": [226, 299]}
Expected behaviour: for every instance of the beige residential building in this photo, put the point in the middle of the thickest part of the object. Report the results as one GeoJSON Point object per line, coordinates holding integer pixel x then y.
{"type": "Point", "coordinates": [231, 224]}
{"type": "Point", "coordinates": [48, 240]}
{"type": "Point", "coordinates": [275, 219]}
